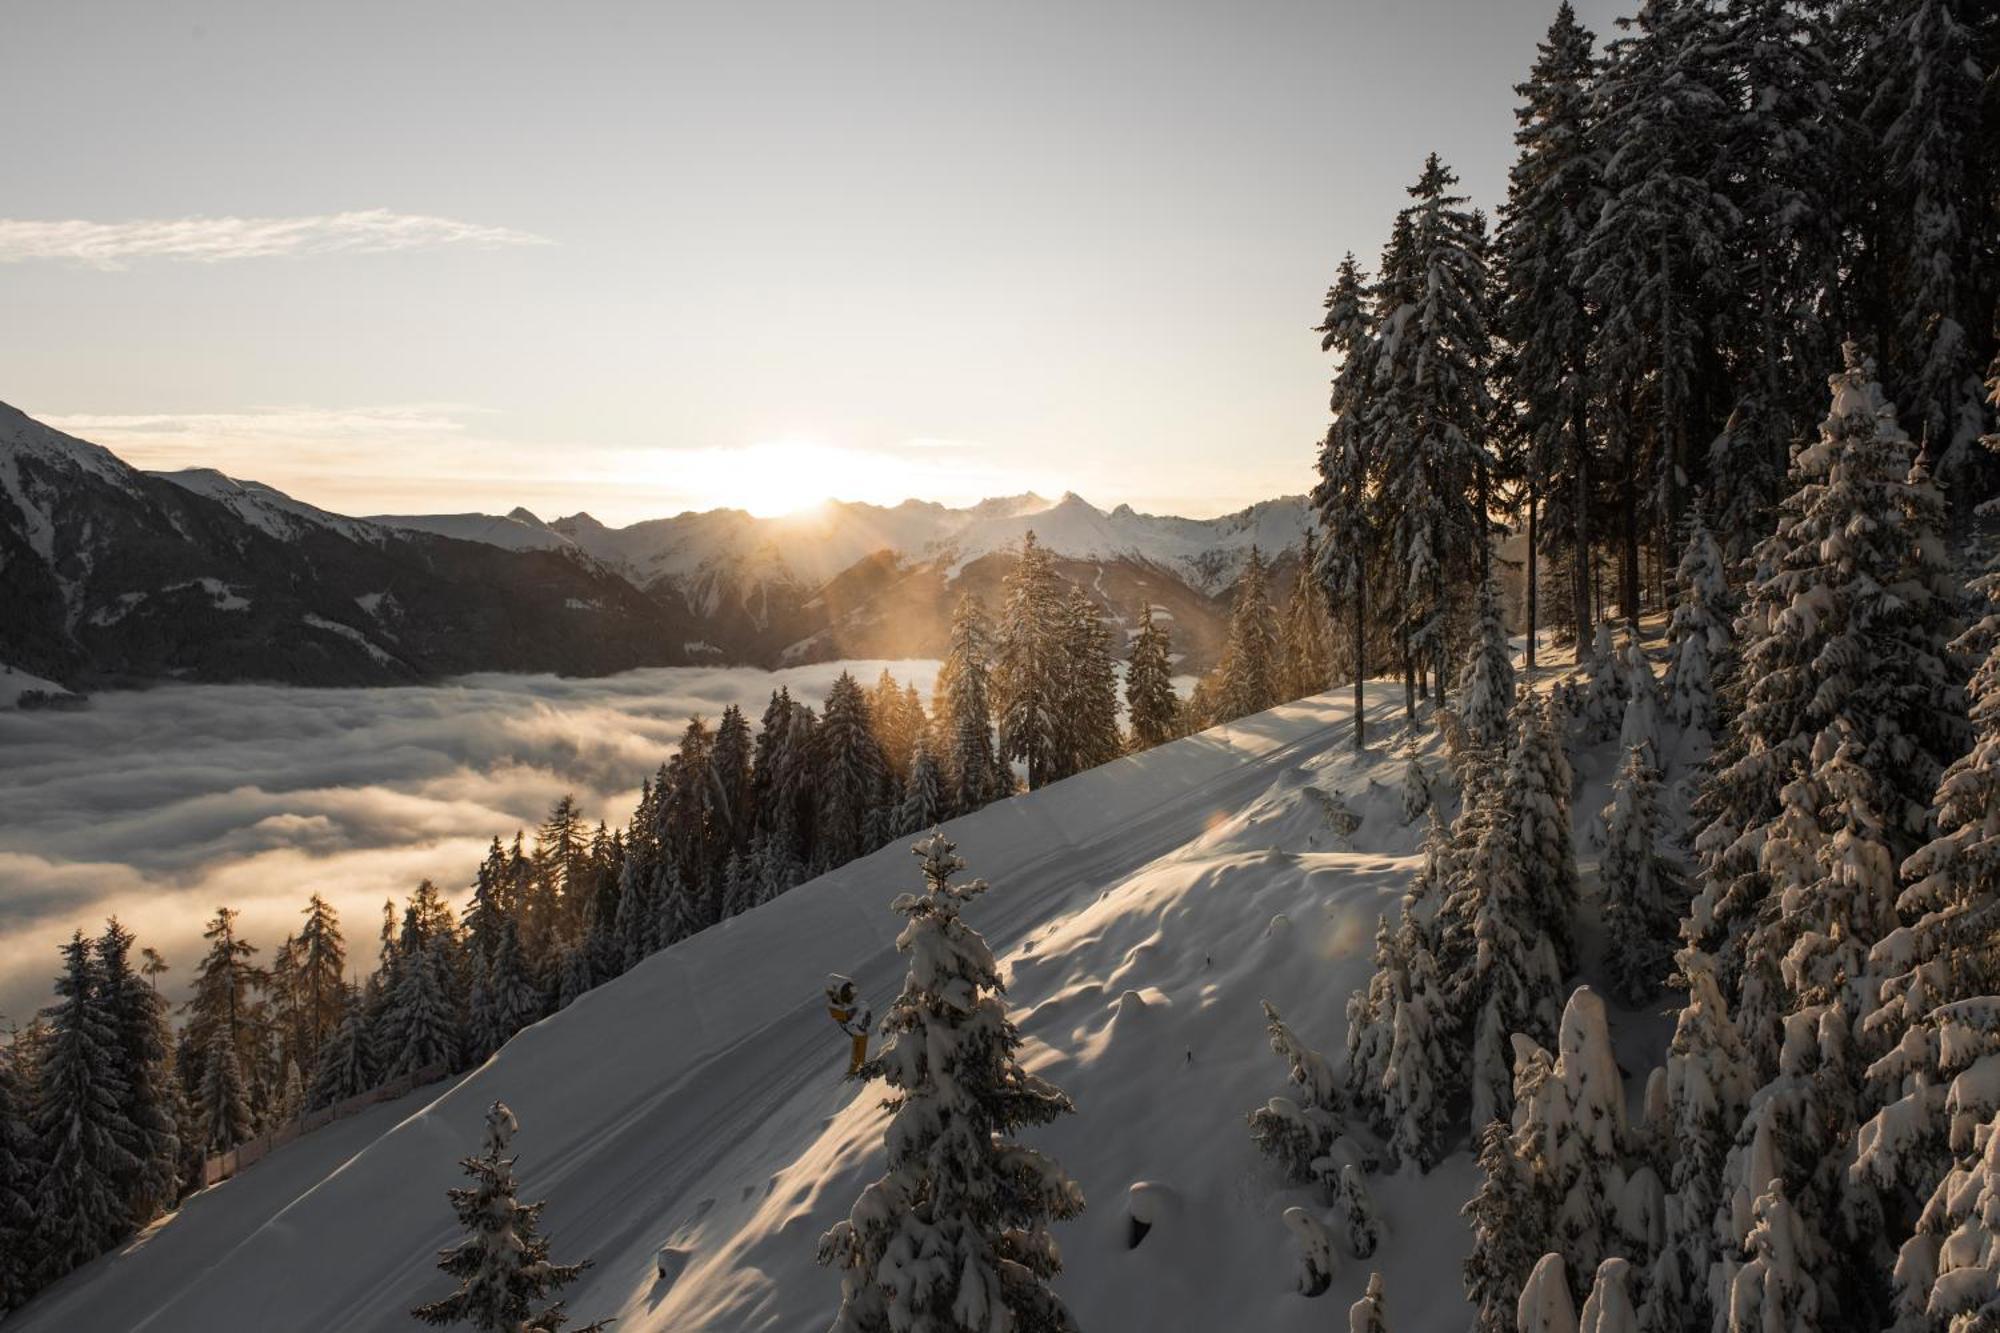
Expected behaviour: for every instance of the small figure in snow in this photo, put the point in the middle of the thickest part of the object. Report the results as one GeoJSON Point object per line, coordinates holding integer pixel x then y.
{"type": "Point", "coordinates": [846, 1008]}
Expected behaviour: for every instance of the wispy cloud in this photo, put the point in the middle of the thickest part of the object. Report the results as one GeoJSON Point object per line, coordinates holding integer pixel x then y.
{"type": "Point", "coordinates": [112, 245]}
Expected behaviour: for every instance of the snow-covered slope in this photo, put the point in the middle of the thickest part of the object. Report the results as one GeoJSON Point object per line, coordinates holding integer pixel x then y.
{"type": "Point", "coordinates": [519, 530]}
{"type": "Point", "coordinates": [266, 507]}
{"type": "Point", "coordinates": [812, 546]}
{"type": "Point", "coordinates": [1142, 910]}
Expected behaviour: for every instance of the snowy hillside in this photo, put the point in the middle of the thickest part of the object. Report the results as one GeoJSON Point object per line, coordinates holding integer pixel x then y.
{"type": "Point", "coordinates": [1142, 911]}
{"type": "Point", "coordinates": [519, 530]}
{"type": "Point", "coordinates": [266, 507]}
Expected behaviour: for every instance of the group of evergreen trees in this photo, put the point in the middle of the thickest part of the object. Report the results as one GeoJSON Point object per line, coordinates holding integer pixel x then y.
{"type": "Point", "coordinates": [1818, 1149]}
{"type": "Point", "coordinates": [1700, 213]}
{"type": "Point", "coordinates": [1268, 659]}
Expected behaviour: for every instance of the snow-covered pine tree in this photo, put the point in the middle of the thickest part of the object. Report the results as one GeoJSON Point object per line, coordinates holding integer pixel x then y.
{"type": "Point", "coordinates": [1546, 1305]}
{"type": "Point", "coordinates": [729, 761]}
{"type": "Point", "coordinates": [1707, 1087]}
{"type": "Point", "coordinates": [1431, 378]}
{"type": "Point", "coordinates": [1316, 1252]}
{"type": "Point", "coordinates": [962, 710]}
{"type": "Point", "coordinates": [963, 1206]}
{"type": "Point", "coordinates": [1925, 68]}
{"type": "Point", "coordinates": [573, 976]}
{"type": "Point", "coordinates": [1150, 702]}
{"type": "Point", "coordinates": [924, 795]}
{"type": "Point", "coordinates": [1778, 1285]}
{"type": "Point", "coordinates": [1643, 889]}
{"type": "Point", "coordinates": [1250, 665]}
{"type": "Point", "coordinates": [503, 1267]}
{"type": "Point", "coordinates": [81, 1134]}
{"type": "Point", "coordinates": [1420, 1072]}
{"type": "Point", "coordinates": [1342, 498]}
{"type": "Point", "coordinates": [1841, 628]}
{"type": "Point", "coordinates": [19, 1174]}
{"type": "Point", "coordinates": [513, 1001]}
{"type": "Point", "coordinates": [1640, 726]}
{"type": "Point", "coordinates": [1535, 795]}
{"type": "Point", "coordinates": [1947, 1274]}
{"type": "Point", "coordinates": [343, 1069]}
{"type": "Point", "coordinates": [1652, 263]}
{"type": "Point", "coordinates": [1486, 684]}
{"type": "Point", "coordinates": [1297, 1136]}
{"type": "Point", "coordinates": [1554, 194]}
{"type": "Point", "coordinates": [137, 1018]}
{"type": "Point", "coordinates": [1364, 1224]}
{"type": "Point", "coordinates": [1370, 1009]}
{"type": "Point", "coordinates": [1370, 1313]}
{"type": "Point", "coordinates": [1571, 1125]}
{"type": "Point", "coordinates": [224, 997]}
{"type": "Point", "coordinates": [1305, 639]}
{"type": "Point", "coordinates": [1603, 690]}
{"type": "Point", "coordinates": [1608, 1308]}
{"type": "Point", "coordinates": [224, 1096]}
{"type": "Point", "coordinates": [1699, 633]}
{"type": "Point", "coordinates": [1505, 977]}
{"type": "Point", "coordinates": [1417, 796]}
{"type": "Point", "coordinates": [424, 1016]}
{"type": "Point", "coordinates": [850, 772]}
{"type": "Point", "coordinates": [1028, 673]}
{"type": "Point", "coordinates": [1089, 723]}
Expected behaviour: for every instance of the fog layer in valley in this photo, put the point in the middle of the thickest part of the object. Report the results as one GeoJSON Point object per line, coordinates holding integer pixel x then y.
{"type": "Point", "coordinates": [163, 804]}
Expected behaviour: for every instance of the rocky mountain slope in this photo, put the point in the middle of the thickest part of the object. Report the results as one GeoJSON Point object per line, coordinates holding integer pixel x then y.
{"type": "Point", "coordinates": [109, 575]}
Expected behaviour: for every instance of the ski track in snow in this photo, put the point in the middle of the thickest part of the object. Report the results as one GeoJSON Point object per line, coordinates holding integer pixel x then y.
{"type": "Point", "coordinates": [696, 1100]}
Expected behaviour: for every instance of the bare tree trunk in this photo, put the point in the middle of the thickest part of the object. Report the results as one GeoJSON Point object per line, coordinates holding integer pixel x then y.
{"type": "Point", "coordinates": [1360, 658]}
{"type": "Point", "coordinates": [1580, 594]}
{"type": "Point", "coordinates": [1533, 575]}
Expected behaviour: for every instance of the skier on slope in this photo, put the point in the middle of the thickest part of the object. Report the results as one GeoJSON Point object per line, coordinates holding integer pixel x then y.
{"type": "Point", "coordinates": [846, 1008]}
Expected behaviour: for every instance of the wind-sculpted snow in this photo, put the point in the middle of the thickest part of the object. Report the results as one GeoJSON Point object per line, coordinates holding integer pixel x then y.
{"type": "Point", "coordinates": [159, 805]}
{"type": "Point", "coordinates": [1140, 912]}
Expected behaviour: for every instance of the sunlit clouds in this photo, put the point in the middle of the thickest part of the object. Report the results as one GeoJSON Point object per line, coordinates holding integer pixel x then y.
{"type": "Point", "coordinates": [163, 804]}
{"type": "Point", "coordinates": [114, 245]}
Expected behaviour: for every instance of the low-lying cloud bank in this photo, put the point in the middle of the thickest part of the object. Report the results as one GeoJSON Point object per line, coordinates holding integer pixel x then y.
{"type": "Point", "coordinates": [164, 804]}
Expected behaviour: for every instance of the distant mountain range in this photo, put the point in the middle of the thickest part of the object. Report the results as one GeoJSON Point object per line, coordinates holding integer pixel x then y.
{"type": "Point", "coordinates": [109, 575]}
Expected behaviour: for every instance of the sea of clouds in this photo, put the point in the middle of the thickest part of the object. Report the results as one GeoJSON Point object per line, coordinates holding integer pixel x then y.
{"type": "Point", "coordinates": [161, 805]}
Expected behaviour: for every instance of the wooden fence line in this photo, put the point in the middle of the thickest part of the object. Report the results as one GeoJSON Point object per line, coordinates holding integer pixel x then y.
{"type": "Point", "coordinates": [221, 1166]}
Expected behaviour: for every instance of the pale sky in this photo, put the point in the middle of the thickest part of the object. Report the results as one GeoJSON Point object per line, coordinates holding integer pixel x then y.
{"type": "Point", "coordinates": [635, 258]}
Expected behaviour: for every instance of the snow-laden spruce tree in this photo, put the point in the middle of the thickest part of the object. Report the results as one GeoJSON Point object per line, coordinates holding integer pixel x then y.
{"type": "Point", "coordinates": [1608, 1308]}
{"type": "Point", "coordinates": [81, 1133]}
{"type": "Point", "coordinates": [1486, 684]}
{"type": "Point", "coordinates": [1504, 977]}
{"type": "Point", "coordinates": [1296, 1135]}
{"type": "Point", "coordinates": [1364, 1223]}
{"type": "Point", "coordinates": [1554, 192]}
{"type": "Point", "coordinates": [1570, 1125]}
{"type": "Point", "coordinates": [954, 1237]}
{"type": "Point", "coordinates": [423, 1020]}
{"type": "Point", "coordinates": [923, 804]}
{"type": "Point", "coordinates": [512, 1000]}
{"type": "Point", "coordinates": [1150, 702]}
{"type": "Point", "coordinates": [1698, 634]}
{"type": "Point", "coordinates": [1643, 889]}
{"type": "Point", "coordinates": [1316, 1250]}
{"type": "Point", "coordinates": [1417, 796]}
{"type": "Point", "coordinates": [1603, 689]}
{"type": "Point", "coordinates": [1305, 640]}
{"type": "Point", "coordinates": [1534, 797]}
{"type": "Point", "coordinates": [1707, 1086]}
{"type": "Point", "coordinates": [1029, 669]}
{"type": "Point", "coordinates": [1546, 1305]}
{"type": "Point", "coordinates": [18, 1175]}
{"type": "Point", "coordinates": [1840, 627]}
{"type": "Point", "coordinates": [1089, 696]}
{"type": "Point", "coordinates": [1420, 1072]}
{"type": "Point", "coordinates": [1778, 1285]}
{"type": "Point", "coordinates": [502, 1266]}
{"type": "Point", "coordinates": [1948, 1273]}
{"type": "Point", "coordinates": [850, 772]}
{"type": "Point", "coordinates": [343, 1070]}
{"type": "Point", "coordinates": [1509, 1220]}
{"type": "Point", "coordinates": [1370, 1313]}
{"type": "Point", "coordinates": [137, 1016]}
{"type": "Point", "coordinates": [1249, 669]}
{"type": "Point", "coordinates": [1640, 725]}
{"type": "Point", "coordinates": [1342, 498]}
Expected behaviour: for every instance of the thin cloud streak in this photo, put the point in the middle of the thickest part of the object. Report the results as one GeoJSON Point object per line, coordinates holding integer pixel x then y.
{"type": "Point", "coordinates": [111, 246]}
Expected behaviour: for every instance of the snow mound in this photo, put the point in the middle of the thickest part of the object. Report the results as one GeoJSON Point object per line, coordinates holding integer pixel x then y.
{"type": "Point", "coordinates": [689, 1127]}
